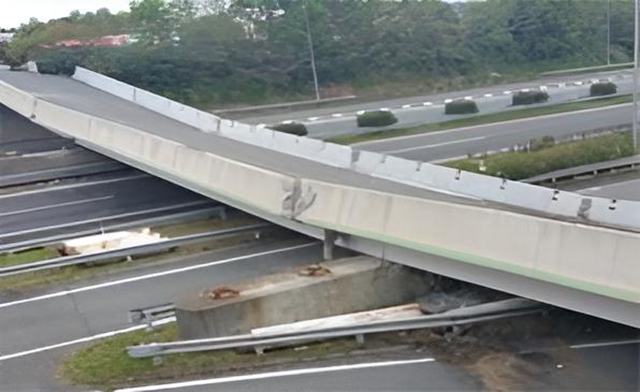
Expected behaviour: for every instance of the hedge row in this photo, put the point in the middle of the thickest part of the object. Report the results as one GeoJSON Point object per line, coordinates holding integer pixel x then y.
{"type": "Point", "coordinates": [529, 97]}
{"type": "Point", "coordinates": [292, 128]}
{"type": "Point", "coordinates": [600, 89]}
{"type": "Point", "coordinates": [521, 165]}
{"type": "Point", "coordinates": [463, 106]}
{"type": "Point", "coordinates": [378, 118]}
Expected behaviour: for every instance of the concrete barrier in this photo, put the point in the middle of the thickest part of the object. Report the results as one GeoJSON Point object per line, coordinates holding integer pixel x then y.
{"type": "Point", "coordinates": [105, 83]}
{"type": "Point", "coordinates": [62, 120]}
{"type": "Point", "coordinates": [17, 100]}
{"type": "Point", "coordinates": [350, 285]}
{"type": "Point", "coordinates": [563, 253]}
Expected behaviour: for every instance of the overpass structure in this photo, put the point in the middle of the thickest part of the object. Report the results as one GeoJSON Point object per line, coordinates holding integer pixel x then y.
{"type": "Point", "coordinates": [570, 250]}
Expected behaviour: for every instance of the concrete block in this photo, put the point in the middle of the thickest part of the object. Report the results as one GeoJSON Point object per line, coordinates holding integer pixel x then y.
{"type": "Point", "coordinates": [352, 285]}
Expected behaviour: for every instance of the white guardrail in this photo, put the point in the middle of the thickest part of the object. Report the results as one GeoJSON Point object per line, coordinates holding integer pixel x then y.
{"type": "Point", "coordinates": [551, 250]}
{"type": "Point", "coordinates": [623, 214]}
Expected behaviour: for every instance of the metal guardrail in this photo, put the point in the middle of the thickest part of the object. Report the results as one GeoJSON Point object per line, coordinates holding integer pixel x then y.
{"type": "Point", "coordinates": [285, 105]}
{"type": "Point", "coordinates": [124, 252]}
{"type": "Point", "coordinates": [592, 169]}
{"type": "Point", "coordinates": [150, 314]}
{"type": "Point", "coordinates": [219, 211]}
{"type": "Point", "coordinates": [474, 314]}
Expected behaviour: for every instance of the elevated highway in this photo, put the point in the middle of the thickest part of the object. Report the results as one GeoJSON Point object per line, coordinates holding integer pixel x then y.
{"type": "Point", "coordinates": [574, 251]}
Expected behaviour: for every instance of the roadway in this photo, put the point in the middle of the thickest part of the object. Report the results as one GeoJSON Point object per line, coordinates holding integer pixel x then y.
{"type": "Point", "coordinates": [459, 142]}
{"type": "Point", "coordinates": [58, 315]}
{"type": "Point", "coordinates": [411, 111]}
{"type": "Point", "coordinates": [90, 202]}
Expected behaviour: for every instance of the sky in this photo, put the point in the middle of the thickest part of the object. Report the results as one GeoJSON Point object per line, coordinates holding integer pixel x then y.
{"type": "Point", "coordinates": [15, 12]}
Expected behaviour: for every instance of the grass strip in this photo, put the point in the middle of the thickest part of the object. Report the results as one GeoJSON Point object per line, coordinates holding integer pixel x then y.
{"type": "Point", "coordinates": [481, 120]}
{"type": "Point", "coordinates": [27, 256]}
{"type": "Point", "coordinates": [105, 365]}
{"type": "Point", "coordinates": [520, 165]}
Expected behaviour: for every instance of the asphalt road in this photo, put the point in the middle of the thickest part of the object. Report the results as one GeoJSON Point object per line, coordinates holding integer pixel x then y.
{"type": "Point", "coordinates": [411, 111]}
{"type": "Point", "coordinates": [623, 190]}
{"type": "Point", "coordinates": [37, 320]}
{"type": "Point", "coordinates": [478, 139]}
{"type": "Point", "coordinates": [79, 205]}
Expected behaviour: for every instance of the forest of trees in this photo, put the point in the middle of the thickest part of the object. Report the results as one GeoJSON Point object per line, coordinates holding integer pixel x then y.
{"type": "Point", "coordinates": [208, 52]}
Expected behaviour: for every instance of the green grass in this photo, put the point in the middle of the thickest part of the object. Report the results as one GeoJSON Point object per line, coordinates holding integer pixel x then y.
{"type": "Point", "coordinates": [522, 165]}
{"type": "Point", "coordinates": [480, 120]}
{"type": "Point", "coordinates": [105, 365]}
{"type": "Point", "coordinates": [28, 256]}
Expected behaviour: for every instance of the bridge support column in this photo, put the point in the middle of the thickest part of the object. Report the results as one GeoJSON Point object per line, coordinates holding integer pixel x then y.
{"type": "Point", "coordinates": [329, 244]}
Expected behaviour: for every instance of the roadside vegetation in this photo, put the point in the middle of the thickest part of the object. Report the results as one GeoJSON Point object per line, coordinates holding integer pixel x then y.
{"type": "Point", "coordinates": [529, 97]}
{"type": "Point", "coordinates": [27, 256]}
{"type": "Point", "coordinates": [377, 118]}
{"type": "Point", "coordinates": [229, 52]}
{"type": "Point", "coordinates": [294, 128]}
{"type": "Point", "coordinates": [463, 106]}
{"type": "Point", "coordinates": [105, 365]}
{"type": "Point", "coordinates": [480, 120]}
{"type": "Point", "coordinates": [545, 156]}
{"type": "Point", "coordinates": [600, 89]}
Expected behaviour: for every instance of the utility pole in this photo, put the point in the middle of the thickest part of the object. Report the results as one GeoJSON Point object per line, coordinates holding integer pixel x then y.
{"type": "Point", "coordinates": [635, 78]}
{"type": "Point", "coordinates": [311, 53]}
{"type": "Point", "coordinates": [608, 32]}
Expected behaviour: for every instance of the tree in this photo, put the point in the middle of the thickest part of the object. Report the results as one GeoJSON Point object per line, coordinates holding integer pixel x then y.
{"type": "Point", "coordinates": [158, 20]}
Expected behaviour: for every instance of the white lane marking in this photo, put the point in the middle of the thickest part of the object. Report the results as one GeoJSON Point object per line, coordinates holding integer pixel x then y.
{"type": "Point", "coordinates": [312, 118]}
{"type": "Point", "coordinates": [261, 126]}
{"type": "Point", "coordinates": [435, 145]}
{"type": "Point", "coordinates": [468, 98]}
{"type": "Point", "coordinates": [448, 100]}
{"type": "Point", "coordinates": [605, 344]}
{"type": "Point", "coordinates": [360, 112]}
{"type": "Point", "coordinates": [73, 186]}
{"type": "Point", "coordinates": [277, 374]}
{"type": "Point", "coordinates": [104, 218]}
{"type": "Point", "coordinates": [336, 115]}
{"type": "Point", "coordinates": [488, 95]}
{"type": "Point", "coordinates": [385, 109]}
{"type": "Point", "coordinates": [507, 92]}
{"type": "Point", "coordinates": [406, 106]}
{"type": "Point", "coordinates": [427, 104]}
{"type": "Point", "coordinates": [151, 276]}
{"type": "Point", "coordinates": [499, 123]}
{"type": "Point", "coordinates": [52, 206]}
{"type": "Point", "coordinates": [84, 340]}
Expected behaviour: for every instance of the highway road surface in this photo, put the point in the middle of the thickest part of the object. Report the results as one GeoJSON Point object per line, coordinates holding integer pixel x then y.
{"type": "Point", "coordinates": [84, 204]}
{"type": "Point", "coordinates": [37, 325]}
{"type": "Point", "coordinates": [459, 142]}
{"type": "Point", "coordinates": [412, 111]}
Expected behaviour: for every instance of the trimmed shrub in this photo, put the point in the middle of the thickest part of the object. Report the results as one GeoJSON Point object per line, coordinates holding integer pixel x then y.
{"type": "Point", "coordinates": [599, 89]}
{"type": "Point", "coordinates": [529, 97]}
{"type": "Point", "coordinates": [378, 118]}
{"type": "Point", "coordinates": [293, 128]}
{"type": "Point", "coordinates": [58, 62]}
{"type": "Point", "coordinates": [461, 107]}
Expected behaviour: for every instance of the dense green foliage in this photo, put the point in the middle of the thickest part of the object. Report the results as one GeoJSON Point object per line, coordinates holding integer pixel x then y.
{"type": "Point", "coordinates": [522, 165]}
{"type": "Point", "coordinates": [529, 97]}
{"type": "Point", "coordinates": [462, 106]}
{"type": "Point", "coordinates": [600, 89]}
{"type": "Point", "coordinates": [377, 118]}
{"type": "Point", "coordinates": [218, 51]}
{"type": "Point", "coordinates": [293, 128]}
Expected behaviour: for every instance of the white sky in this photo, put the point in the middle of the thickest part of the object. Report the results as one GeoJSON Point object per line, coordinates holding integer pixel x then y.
{"type": "Point", "coordinates": [15, 12]}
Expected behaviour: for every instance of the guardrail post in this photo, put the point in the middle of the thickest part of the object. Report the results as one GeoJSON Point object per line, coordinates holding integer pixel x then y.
{"type": "Point", "coordinates": [329, 244]}
{"type": "Point", "coordinates": [360, 339]}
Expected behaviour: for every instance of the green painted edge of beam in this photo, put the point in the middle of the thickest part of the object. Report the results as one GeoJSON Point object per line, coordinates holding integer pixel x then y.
{"type": "Point", "coordinates": [621, 294]}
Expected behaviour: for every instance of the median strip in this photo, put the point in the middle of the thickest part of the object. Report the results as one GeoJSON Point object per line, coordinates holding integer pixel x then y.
{"type": "Point", "coordinates": [481, 120]}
